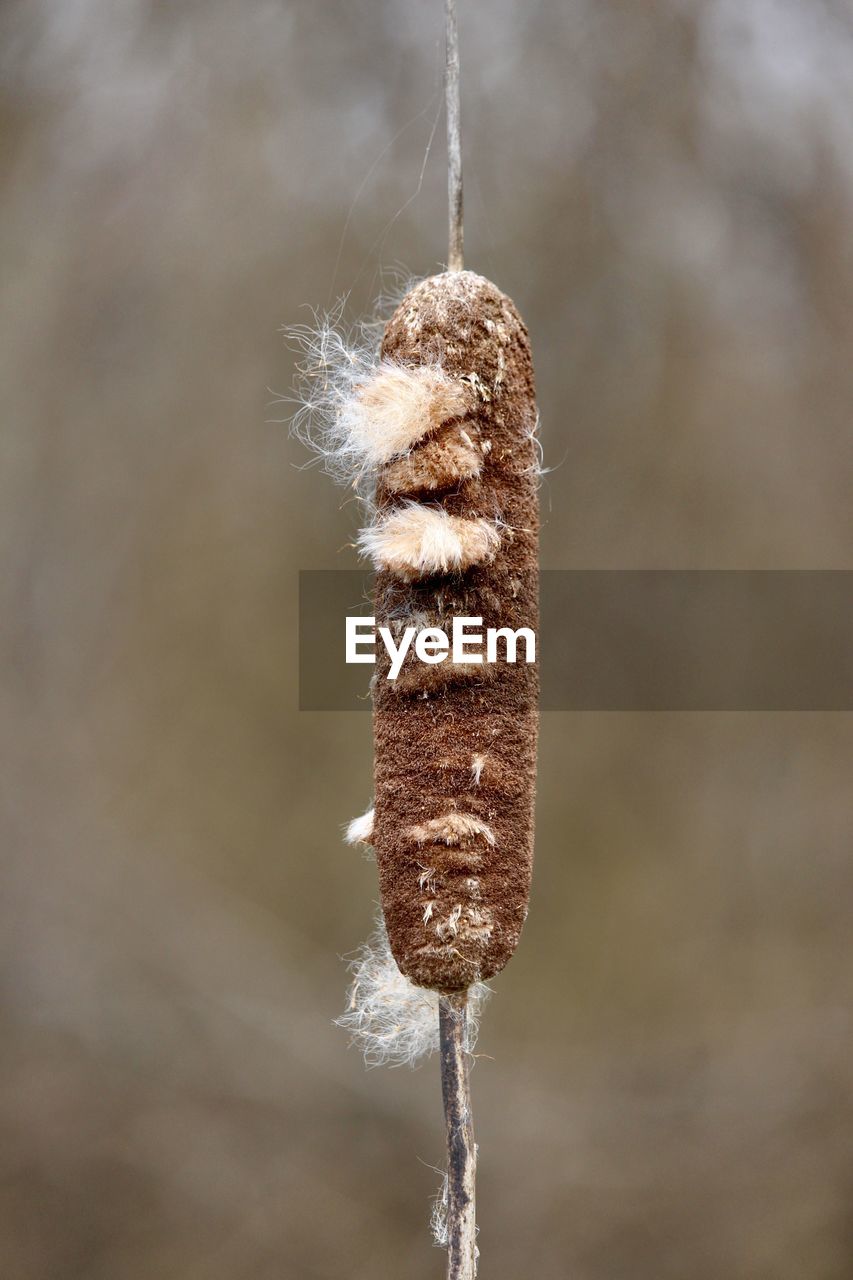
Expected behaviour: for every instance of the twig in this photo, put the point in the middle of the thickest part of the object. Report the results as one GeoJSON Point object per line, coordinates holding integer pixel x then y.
{"type": "Point", "coordinates": [461, 1149]}
{"type": "Point", "coordinates": [454, 141]}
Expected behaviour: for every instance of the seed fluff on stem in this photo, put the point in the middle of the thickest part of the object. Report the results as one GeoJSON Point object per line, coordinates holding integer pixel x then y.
{"type": "Point", "coordinates": [390, 1020]}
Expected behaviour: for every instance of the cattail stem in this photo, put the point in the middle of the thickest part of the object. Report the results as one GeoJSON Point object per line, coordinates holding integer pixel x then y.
{"type": "Point", "coordinates": [455, 261]}
{"type": "Point", "coordinates": [461, 1149]}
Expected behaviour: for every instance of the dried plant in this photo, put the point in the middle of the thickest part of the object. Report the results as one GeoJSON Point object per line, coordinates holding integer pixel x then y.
{"type": "Point", "coordinates": [437, 431]}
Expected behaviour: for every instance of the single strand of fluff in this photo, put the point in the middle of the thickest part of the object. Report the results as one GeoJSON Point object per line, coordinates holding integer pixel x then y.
{"type": "Point", "coordinates": [416, 540]}
{"type": "Point", "coordinates": [393, 1022]}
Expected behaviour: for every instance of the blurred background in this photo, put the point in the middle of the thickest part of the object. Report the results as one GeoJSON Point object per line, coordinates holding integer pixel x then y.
{"type": "Point", "coordinates": [666, 190]}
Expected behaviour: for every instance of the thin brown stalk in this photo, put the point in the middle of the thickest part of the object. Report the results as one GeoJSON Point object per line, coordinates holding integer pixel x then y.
{"type": "Point", "coordinates": [454, 141]}
{"type": "Point", "coordinates": [461, 1149]}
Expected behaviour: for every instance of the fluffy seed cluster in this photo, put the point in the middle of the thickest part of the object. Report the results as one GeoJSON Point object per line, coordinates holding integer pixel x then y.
{"type": "Point", "coordinates": [417, 540]}
{"type": "Point", "coordinates": [393, 1022]}
{"type": "Point", "coordinates": [394, 409]}
{"type": "Point", "coordinates": [357, 412]}
{"type": "Point", "coordinates": [451, 828]}
{"type": "Point", "coordinates": [360, 829]}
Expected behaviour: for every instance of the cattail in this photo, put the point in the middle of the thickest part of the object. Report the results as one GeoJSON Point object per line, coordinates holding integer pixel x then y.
{"type": "Point", "coordinates": [454, 534]}
{"type": "Point", "coordinates": [439, 437]}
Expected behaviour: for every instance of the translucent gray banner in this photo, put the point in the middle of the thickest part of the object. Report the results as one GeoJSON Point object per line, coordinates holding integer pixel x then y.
{"type": "Point", "coordinates": [635, 640]}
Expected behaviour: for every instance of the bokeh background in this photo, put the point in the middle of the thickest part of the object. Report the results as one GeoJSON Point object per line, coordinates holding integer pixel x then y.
{"type": "Point", "coordinates": [666, 189]}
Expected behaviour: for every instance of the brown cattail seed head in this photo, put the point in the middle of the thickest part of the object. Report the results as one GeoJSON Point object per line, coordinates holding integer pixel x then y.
{"type": "Point", "coordinates": [456, 535]}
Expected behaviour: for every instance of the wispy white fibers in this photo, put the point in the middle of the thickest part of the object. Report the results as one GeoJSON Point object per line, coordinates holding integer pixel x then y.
{"type": "Point", "coordinates": [355, 411]}
{"type": "Point", "coordinates": [395, 408]}
{"type": "Point", "coordinates": [417, 540]}
{"type": "Point", "coordinates": [438, 1217]}
{"type": "Point", "coordinates": [334, 363]}
{"type": "Point", "coordinates": [393, 1022]}
{"type": "Point", "coordinates": [360, 830]}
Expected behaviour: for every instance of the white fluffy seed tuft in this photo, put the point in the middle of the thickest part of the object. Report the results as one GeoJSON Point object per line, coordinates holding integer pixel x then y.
{"type": "Point", "coordinates": [357, 412]}
{"type": "Point", "coordinates": [393, 1022]}
{"type": "Point", "coordinates": [451, 828]}
{"type": "Point", "coordinates": [417, 539]}
{"type": "Point", "coordinates": [360, 830]}
{"type": "Point", "coordinates": [395, 408]}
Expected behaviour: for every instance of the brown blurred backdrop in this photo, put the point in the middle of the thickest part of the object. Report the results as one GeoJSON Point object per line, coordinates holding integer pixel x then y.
{"type": "Point", "coordinates": [666, 189]}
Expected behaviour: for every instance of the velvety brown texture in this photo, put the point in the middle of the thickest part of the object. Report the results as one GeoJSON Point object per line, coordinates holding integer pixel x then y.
{"type": "Point", "coordinates": [446, 455]}
{"type": "Point", "coordinates": [451, 739]}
